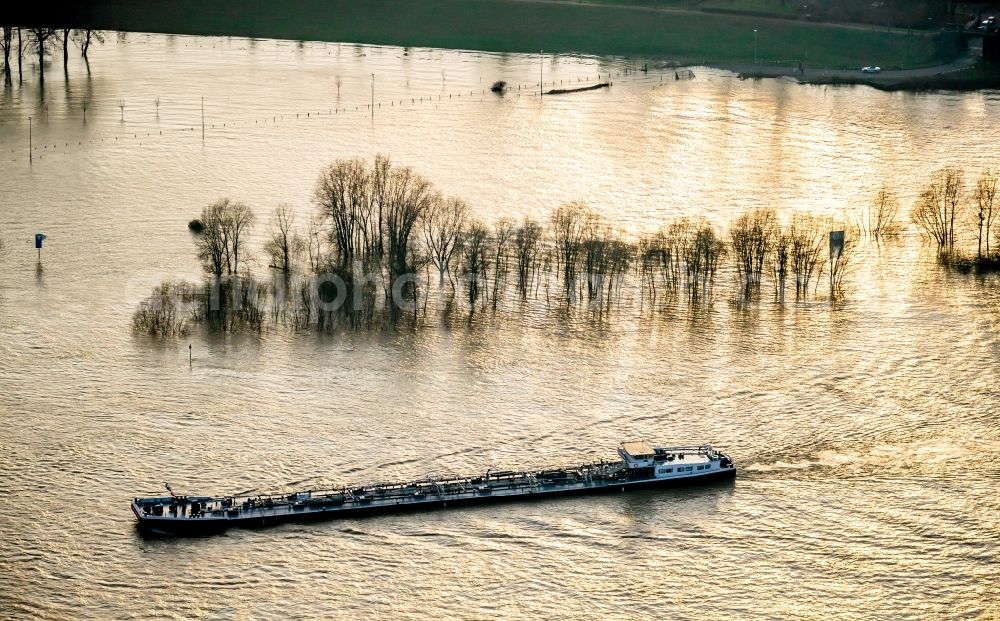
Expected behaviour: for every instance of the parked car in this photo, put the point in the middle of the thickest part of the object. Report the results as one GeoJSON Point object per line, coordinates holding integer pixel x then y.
{"type": "Point", "coordinates": [871, 69]}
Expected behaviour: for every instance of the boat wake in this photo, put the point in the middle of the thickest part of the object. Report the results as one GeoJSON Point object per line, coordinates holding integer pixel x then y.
{"type": "Point", "coordinates": [913, 458]}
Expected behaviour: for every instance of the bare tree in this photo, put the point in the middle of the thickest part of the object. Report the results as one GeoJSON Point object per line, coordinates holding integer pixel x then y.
{"type": "Point", "coordinates": [222, 239]}
{"type": "Point", "coordinates": [41, 37]}
{"type": "Point", "coordinates": [240, 219]}
{"type": "Point", "coordinates": [86, 37]}
{"type": "Point", "coordinates": [806, 239]}
{"type": "Point", "coordinates": [314, 244]}
{"type": "Point", "coordinates": [284, 245]}
{"type": "Point", "coordinates": [938, 205]}
{"type": "Point", "coordinates": [403, 200]}
{"type": "Point", "coordinates": [168, 311]}
{"type": "Point", "coordinates": [346, 199]}
{"type": "Point", "coordinates": [65, 42]}
{"type": "Point", "coordinates": [372, 214]}
{"type": "Point", "coordinates": [527, 239]}
{"type": "Point", "coordinates": [652, 254]}
{"type": "Point", "coordinates": [475, 248]}
{"type": "Point", "coordinates": [879, 219]}
{"type": "Point", "coordinates": [211, 242]}
{"type": "Point", "coordinates": [984, 195]}
{"type": "Point", "coordinates": [840, 263]}
{"type": "Point", "coordinates": [20, 55]}
{"type": "Point", "coordinates": [569, 226]}
{"type": "Point", "coordinates": [780, 255]}
{"type": "Point", "coordinates": [442, 229]}
{"type": "Point", "coordinates": [6, 40]}
{"type": "Point", "coordinates": [594, 252]}
{"type": "Point", "coordinates": [605, 257]}
{"type": "Point", "coordinates": [752, 235]}
{"type": "Point", "coordinates": [503, 231]}
{"type": "Point", "coordinates": [702, 251]}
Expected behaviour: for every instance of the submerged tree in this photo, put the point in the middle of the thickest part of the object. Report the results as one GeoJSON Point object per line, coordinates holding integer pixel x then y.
{"type": "Point", "coordinates": [85, 39]}
{"type": "Point", "coordinates": [702, 250]}
{"type": "Point", "coordinates": [806, 241]}
{"type": "Point", "coordinates": [314, 244]}
{"type": "Point", "coordinates": [595, 247]}
{"type": "Point", "coordinates": [167, 311]}
{"type": "Point", "coordinates": [240, 219]}
{"type": "Point", "coordinates": [780, 258]}
{"type": "Point", "coordinates": [41, 38]}
{"type": "Point", "coordinates": [879, 219]}
{"type": "Point", "coordinates": [345, 196]}
{"type": "Point", "coordinates": [442, 227]}
{"type": "Point", "coordinates": [840, 264]}
{"type": "Point", "coordinates": [752, 237]}
{"type": "Point", "coordinates": [222, 240]}
{"type": "Point", "coordinates": [652, 250]}
{"type": "Point", "coordinates": [284, 246]}
{"type": "Point", "coordinates": [938, 206]}
{"type": "Point", "coordinates": [371, 214]}
{"type": "Point", "coordinates": [405, 199]}
{"type": "Point", "coordinates": [569, 227]}
{"type": "Point", "coordinates": [475, 249]}
{"type": "Point", "coordinates": [527, 242]}
{"type": "Point", "coordinates": [985, 208]}
{"type": "Point", "coordinates": [20, 55]}
{"type": "Point", "coordinates": [503, 231]}
{"type": "Point", "coordinates": [606, 257]}
{"type": "Point", "coordinates": [6, 41]}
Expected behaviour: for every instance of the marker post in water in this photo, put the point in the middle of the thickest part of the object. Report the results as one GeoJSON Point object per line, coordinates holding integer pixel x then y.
{"type": "Point", "coordinates": [39, 238]}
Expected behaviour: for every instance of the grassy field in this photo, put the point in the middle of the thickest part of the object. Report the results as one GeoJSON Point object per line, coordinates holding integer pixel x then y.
{"type": "Point", "coordinates": [520, 26]}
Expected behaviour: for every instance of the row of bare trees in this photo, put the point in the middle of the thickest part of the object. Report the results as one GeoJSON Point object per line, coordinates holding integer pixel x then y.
{"type": "Point", "coordinates": [18, 41]}
{"type": "Point", "coordinates": [376, 220]}
{"type": "Point", "coordinates": [947, 203]}
{"type": "Point", "coordinates": [380, 229]}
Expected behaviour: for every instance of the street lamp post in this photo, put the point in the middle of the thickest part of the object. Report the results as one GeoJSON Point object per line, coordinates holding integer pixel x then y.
{"type": "Point", "coordinates": [755, 46]}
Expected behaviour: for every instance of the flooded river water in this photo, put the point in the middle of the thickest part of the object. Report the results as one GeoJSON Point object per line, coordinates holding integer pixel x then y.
{"type": "Point", "coordinates": [866, 432]}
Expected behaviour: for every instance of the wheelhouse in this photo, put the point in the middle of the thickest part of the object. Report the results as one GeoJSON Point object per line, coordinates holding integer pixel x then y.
{"type": "Point", "coordinates": [644, 461]}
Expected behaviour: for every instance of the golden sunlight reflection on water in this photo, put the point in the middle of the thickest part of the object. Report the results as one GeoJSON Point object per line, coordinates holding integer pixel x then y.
{"type": "Point", "coordinates": [865, 430]}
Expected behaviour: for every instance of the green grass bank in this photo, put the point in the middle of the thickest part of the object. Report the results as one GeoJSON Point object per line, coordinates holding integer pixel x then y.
{"type": "Point", "coordinates": [609, 29]}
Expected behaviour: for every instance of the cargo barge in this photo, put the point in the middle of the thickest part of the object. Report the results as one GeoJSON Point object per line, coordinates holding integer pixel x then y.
{"type": "Point", "coordinates": [642, 466]}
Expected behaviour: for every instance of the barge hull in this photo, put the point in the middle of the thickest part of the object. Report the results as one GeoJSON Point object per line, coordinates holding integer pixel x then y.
{"type": "Point", "coordinates": [209, 525]}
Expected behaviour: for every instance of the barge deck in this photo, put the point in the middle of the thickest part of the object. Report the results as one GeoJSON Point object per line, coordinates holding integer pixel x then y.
{"type": "Point", "coordinates": [642, 466]}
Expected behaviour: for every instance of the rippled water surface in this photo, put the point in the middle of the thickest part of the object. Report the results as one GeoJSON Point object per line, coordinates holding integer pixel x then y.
{"type": "Point", "coordinates": [866, 431]}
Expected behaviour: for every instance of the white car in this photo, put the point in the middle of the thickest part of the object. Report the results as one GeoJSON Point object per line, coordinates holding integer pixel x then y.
{"type": "Point", "coordinates": [871, 69]}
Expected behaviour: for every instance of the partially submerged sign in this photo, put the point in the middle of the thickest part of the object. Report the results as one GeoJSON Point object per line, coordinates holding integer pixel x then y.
{"type": "Point", "coordinates": [836, 244]}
